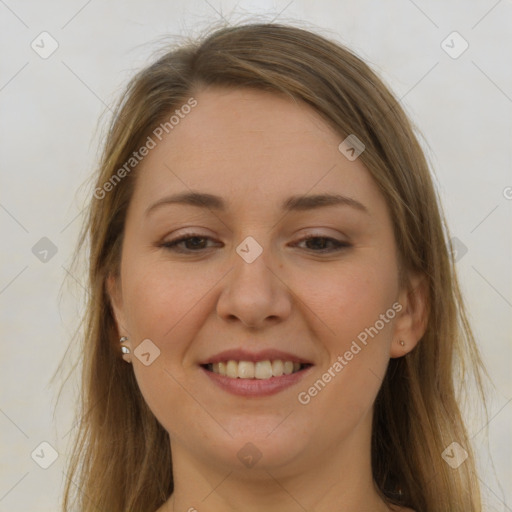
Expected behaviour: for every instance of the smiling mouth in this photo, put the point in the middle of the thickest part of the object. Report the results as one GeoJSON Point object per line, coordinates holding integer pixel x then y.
{"type": "Point", "coordinates": [260, 370]}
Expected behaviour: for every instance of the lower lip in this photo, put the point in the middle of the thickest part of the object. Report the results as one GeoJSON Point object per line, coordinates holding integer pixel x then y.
{"type": "Point", "coordinates": [256, 387]}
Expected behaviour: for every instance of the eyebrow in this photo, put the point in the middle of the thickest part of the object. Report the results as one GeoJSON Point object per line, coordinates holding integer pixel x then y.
{"type": "Point", "coordinates": [293, 203]}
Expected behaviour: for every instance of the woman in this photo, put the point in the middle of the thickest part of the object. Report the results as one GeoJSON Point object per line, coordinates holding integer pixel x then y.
{"type": "Point", "coordinates": [272, 294]}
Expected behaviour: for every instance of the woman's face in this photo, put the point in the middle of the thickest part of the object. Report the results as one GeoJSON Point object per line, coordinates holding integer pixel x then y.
{"type": "Point", "coordinates": [246, 281]}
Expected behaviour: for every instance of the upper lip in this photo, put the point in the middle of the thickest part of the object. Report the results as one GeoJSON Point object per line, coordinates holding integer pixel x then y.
{"type": "Point", "coordinates": [239, 354]}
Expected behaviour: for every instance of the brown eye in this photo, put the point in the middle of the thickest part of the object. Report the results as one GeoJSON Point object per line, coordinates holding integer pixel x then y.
{"type": "Point", "coordinates": [190, 243]}
{"type": "Point", "coordinates": [323, 244]}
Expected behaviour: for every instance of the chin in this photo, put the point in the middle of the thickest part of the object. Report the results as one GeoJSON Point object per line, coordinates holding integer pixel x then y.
{"type": "Point", "coordinates": [260, 447]}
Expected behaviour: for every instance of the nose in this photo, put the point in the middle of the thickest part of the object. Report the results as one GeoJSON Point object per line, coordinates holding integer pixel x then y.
{"type": "Point", "coordinates": [254, 294]}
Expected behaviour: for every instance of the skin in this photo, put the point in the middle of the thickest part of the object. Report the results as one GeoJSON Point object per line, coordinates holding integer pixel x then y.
{"type": "Point", "coordinates": [255, 149]}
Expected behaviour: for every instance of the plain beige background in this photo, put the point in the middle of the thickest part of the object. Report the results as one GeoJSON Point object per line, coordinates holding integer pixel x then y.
{"type": "Point", "coordinates": [50, 105]}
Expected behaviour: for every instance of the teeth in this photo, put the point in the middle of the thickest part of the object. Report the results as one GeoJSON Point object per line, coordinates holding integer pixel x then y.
{"type": "Point", "coordinates": [260, 370]}
{"type": "Point", "coordinates": [232, 369]}
{"type": "Point", "coordinates": [246, 370]}
{"type": "Point", "coordinates": [277, 368]}
{"type": "Point", "coordinates": [288, 367]}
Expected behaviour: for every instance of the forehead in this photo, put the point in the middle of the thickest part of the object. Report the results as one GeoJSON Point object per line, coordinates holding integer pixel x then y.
{"type": "Point", "coordinates": [246, 144]}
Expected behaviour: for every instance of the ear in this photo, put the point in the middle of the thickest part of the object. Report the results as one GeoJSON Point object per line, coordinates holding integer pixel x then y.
{"type": "Point", "coordinates": [113, 289]}
{"type": "Point", "coordinates": [411, 321]}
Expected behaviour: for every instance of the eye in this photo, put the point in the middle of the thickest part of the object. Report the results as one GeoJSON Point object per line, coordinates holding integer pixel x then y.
{"type": "Point", "coordinates": [196, 243]}
{"type": "Point", "coordinates": [189, 243]}
{"type": "Point", "coordinates": [321, 244]}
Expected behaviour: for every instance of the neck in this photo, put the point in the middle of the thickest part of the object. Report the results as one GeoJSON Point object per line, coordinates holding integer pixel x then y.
{"type": "Point", "coordinates": [338, 480]}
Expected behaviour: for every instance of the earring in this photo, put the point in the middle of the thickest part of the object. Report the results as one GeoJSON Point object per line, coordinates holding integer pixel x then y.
{"type": "Point", "coordinates": [402, 343]}
{"type": "Point", "coordinates": [124, 349]}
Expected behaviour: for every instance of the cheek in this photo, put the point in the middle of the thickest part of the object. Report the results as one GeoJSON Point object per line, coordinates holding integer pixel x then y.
{"type": "Point", "coordinates": [165, 307]}
{"type": "Point", "coordinates": [355, 303]}
{"type": "Point", "coordinates": [159, 301]}
{"type": "Point", "coordinates": [351, 298]}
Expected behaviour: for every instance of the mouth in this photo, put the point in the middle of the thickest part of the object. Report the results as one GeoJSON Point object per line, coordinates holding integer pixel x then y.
{"type": "Point", "coordinates": [255, 370]}
{"type": "Point", "coordinates": [251, 375]}
{"type": "Point", "coordinates": [255, 374]}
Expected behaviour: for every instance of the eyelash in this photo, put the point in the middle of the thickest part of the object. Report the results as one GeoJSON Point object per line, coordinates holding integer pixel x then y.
{"type": "Point", "coordinates": [172, 245]}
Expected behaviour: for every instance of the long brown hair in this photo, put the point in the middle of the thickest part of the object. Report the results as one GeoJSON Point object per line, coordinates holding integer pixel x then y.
{"type": "Point", "coordinates": [122, 457]}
